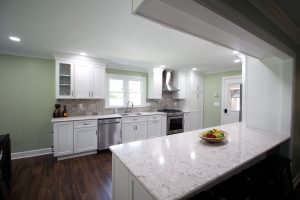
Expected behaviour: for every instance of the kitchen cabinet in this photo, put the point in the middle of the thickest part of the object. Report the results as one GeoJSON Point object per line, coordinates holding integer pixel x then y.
{"type": "Point", "coordinates": [85, 136]}
{"type": "Point", "coordinates": [196, 101]}
{"type": "Point", "coordinates": [79, 80]}
{"type": "Point", "coordinates": [196, 82]}
{"type": "Point", "coordinates": [155, 83]}
{"type": "Point", "coordinates": [134, 131]}
{"type": "Point", "coordinates": [154, 128]}
{"type": "Point", "coordinates": [196, 120]}
{"type": "Point", "coordinates": [163, 125]}
{"type": "Point", "coordinates": [63, 138]}
{"type": "Point", "coordinates": [187, 122]}
{"type": "Point", "coordinates": [179, 83]}
{"type": "Point", "coordinates": [64, 76]}
{"type": "Point", "coordinates": [89, 81]}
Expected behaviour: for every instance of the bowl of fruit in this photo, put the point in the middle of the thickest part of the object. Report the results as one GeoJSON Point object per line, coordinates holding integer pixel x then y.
{"type": "Point", "coordinates": [213, 135]}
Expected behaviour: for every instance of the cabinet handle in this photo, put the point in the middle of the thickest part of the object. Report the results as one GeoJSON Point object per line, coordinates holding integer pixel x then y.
{"type": "Point", "coordinates": [96, 132]}
{"type": "Point", "coordinates": [72, 93]}
{"type": "Point", "coordinates": [92, 94]}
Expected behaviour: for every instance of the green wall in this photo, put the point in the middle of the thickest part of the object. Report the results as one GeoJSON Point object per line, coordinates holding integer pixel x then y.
{"type": "Point", "coordinates": [27, 101]}
{"type": "Point", "coordinates": [212, 84]}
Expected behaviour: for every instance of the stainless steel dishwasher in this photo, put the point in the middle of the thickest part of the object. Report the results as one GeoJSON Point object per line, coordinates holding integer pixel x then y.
{"type": "Point", "coordinates": [109, 132]}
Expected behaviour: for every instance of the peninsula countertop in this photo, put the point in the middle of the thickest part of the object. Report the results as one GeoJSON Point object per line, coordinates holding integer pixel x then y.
{"type": "Point", "coordinates": [176, 166]}
{"type": "Point", "coordinates": [105, 116]}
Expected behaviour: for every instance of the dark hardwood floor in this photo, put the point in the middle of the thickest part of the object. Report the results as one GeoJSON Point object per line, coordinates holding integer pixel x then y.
{"type": "Point", "coordinates": [84, 178]}
{"type": "Point", "coordinates": [43, 177]}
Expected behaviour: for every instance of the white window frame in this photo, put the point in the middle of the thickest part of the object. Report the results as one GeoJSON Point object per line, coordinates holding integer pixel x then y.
{"type": "Point", "coordinates": [126, 80]}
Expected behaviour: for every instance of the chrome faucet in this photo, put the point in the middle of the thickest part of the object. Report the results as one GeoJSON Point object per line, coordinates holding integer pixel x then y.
{"type": "Point", "coordinates": [127, 110]}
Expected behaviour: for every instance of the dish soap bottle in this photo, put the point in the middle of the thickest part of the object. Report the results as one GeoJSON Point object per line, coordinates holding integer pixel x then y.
{"type": "Point", "coordinates": [65, 112]}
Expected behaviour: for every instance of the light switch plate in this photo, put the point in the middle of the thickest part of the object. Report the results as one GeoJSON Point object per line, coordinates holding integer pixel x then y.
{"type": "Point", "coordinates": [217, 104]}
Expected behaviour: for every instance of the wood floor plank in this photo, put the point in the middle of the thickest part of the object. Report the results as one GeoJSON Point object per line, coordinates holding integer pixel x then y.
{"type": "Point", "coordinates": [43, 177]}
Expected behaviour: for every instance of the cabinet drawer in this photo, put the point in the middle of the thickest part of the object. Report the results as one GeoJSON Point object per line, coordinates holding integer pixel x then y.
{"type": "Point", "coordinates": [154, 117]}
{"type": "Point", "coordinates": [85, 123]}
{"type": "Point", "coordinates": [187, 115]}
{"type": "Point", "coordinates": [128, 120]}
{"type": "Point", "coordinates": [154, 122]}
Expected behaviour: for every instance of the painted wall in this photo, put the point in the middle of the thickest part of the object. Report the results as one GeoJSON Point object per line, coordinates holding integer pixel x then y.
{"type": "Point", "coordinates": [27, 101]}
{"type": "Point", "coordinates": [212, 84]}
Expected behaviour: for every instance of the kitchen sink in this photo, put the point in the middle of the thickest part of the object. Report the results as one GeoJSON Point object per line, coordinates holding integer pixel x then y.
{"type": "Point", "coordinates": [131, 114]}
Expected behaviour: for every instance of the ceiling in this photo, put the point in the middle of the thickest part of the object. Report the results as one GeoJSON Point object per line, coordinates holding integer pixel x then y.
{"type": "Point", "coordinates": [103, 29]}
{"type": "Point", "coordinates": [291, 9]}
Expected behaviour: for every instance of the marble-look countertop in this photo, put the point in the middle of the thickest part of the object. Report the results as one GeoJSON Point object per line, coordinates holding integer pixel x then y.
{"type": "Point", "coordinates": [91, 117]}
{"type": "Point", "coordinates": [177, 166]}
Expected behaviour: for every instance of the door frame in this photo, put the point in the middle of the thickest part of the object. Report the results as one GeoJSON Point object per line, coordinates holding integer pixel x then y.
{"type": "Point", "coordinates": [223, 92]}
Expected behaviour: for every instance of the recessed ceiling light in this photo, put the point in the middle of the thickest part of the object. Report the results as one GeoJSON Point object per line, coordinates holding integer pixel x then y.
{"type": "Point", "coordinates": [194, 69]}
{"type": "Point", "coordinates": [235, 52]}
{"type": "Point", "coordinates": [162, 66]}
{"type": "Point", "coordinates": [14, 38]}
{"type": "Point", "coordinates": [237, 60]}
{"type": "Point", "coordinates": [82, 54]}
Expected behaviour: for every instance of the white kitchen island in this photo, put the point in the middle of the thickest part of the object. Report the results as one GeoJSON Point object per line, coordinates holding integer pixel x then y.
{"type": "Point", "coordinates": [181, 165]}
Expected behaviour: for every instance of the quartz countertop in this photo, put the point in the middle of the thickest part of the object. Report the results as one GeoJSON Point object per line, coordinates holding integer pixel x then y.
{"type": "Point", "coordinates": [91, 117]}
{"type": "Point", "coordinates": [177, 166]}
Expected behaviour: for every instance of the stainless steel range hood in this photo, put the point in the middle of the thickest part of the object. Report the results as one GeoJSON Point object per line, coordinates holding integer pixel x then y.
{"type": "Point", "coordinates": [168, 81]}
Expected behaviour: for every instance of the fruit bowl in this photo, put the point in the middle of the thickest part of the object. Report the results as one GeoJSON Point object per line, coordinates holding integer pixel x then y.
{"type": "Point", "coordinates": [213, 135]}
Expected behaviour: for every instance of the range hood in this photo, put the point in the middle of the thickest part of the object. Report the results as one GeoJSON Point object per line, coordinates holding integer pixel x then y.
{"type": "Point", "coordinates": [168, 81]}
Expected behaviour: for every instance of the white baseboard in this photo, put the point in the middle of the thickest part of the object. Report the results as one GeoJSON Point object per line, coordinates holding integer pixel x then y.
{"type": "Point", "coordinates": [296, 180]}
{"type": "Point", "coordinates": [32, 153]}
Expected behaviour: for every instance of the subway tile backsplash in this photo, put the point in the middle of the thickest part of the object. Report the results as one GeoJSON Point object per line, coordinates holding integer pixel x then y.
{"type": "Point", "coordinates": [80, 107]}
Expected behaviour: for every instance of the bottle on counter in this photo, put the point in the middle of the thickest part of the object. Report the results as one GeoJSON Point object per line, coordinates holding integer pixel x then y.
{"type": "Point", "coordinates": [65, 112]}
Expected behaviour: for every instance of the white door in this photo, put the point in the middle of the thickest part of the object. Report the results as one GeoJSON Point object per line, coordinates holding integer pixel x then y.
{"type": "Point", "coordinates": [63, 138]}
{"type": "Point", "coordinates": [128, 132]}
{"type": "Point", "coordinates": [85, 139]}
{"type": "Point", "coordinates": [83, 76]}
{"type": "Point", "coordinates": [141, 131]}
{"type": "Point", "coordinates": [154, 128]}
{"type": "Point", "coordinates": [98, 82]}
{"type": "Point", "coordinates": [231, 96]}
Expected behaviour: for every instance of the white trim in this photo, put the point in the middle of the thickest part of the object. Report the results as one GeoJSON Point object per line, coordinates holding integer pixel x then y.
{"type": "Point", "coordinates": [32, 153]}
{"type": "Point", "coordinates": [217, 71]}
{"type": "Point", "coordinates": [76, 155]}
{"type": "Point", "coordinates": [223, 92]}
{"type": "Point", "coordinates": [296, 180]}
{"type": "Point", "coordinates": [126, 79]}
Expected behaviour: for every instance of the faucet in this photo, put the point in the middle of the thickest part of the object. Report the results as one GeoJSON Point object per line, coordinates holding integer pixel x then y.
{"type": "Point", "coordinates": [127, 110]}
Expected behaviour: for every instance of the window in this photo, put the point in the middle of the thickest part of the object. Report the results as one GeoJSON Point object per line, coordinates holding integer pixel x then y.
{"type": "Point", "coordinates": [122, 89]}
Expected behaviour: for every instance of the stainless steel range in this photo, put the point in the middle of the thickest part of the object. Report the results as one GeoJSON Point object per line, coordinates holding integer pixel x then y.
{"type": "Point", "coordinates": [174, 121]}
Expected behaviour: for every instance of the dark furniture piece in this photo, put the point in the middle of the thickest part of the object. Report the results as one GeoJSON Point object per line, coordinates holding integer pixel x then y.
{"type": "Point", "coordinates": [5, 163]}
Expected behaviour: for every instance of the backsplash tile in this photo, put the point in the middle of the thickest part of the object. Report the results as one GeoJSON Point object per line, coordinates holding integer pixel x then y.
{"type": "Point", "coordinates": [97, 106]}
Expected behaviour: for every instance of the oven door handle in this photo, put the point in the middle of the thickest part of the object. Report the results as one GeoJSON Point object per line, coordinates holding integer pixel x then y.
{"type": "Point", "coordinates": [177, 117]}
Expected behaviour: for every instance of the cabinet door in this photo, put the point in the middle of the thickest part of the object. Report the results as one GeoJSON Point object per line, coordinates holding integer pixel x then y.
{"type": "Point", "coordinates": [141, 131]}
{"type": "Point", "coordinates": [63, 138]}
{"type": "Point", "coordinates": [179, 82]}
{"type": "Point", "coordinates": [196, 101]}
{"type": "Point", "coordinates": [64, 79]}
{"type": "Point", "coordinates": [154, 128]}
{"type": "Point", "coordinates": [98, 82]}
{"type": "Point", "coordinates": [163, 125]}
{"type": "Point", "coordinates": [83, 76]}
{"type": "Point", "coordinates": [196, 120]}
{"type": "Point", "coordinates": [128, 133]}
{"type": "Point", "coordinates": [196, 83]}
{"type": "Point", "coordinates": [155, 83]}
{"type": "Point", "coordinates": [187, 124]}
{"type": "Point", "coordinates": [85, 139]}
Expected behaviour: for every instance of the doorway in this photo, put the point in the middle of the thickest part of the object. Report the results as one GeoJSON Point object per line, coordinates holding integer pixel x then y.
{"type": "Point", "coordinates": [231, 109]}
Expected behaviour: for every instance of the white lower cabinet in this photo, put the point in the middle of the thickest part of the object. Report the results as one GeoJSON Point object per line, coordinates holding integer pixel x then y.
{"type": "Point", "coordinates": [187, 122]}
{"type": "Point", "coordinates": [134, 131]}
{"type": "Point", "coordinates": [125, 185]}
{"type": "Point", "coordinates": [141, 131]}
{"type": "Point", "coordinates": [128, 132]}
{"type": "Point", "coordinates": [196, 120]}
{"type": "Point", "coordinates": [74, 138]}
{"type": "Point", "coordinates": [163, 125]}
{"type": "Point", "coordinates": [63, 138]}
{"type": "Point", "coordinates": [154, 128]}
{"type": "Point", "coordinates": [85, 139]}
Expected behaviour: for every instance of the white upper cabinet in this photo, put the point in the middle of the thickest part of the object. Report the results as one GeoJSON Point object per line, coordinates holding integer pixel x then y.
{"type": "Point", "coordinates": [89, 81]}
{"type": "Point", "coordinates": [196, 83]}
{"type": "Point", "coordinates": [83, 73]}
{"type": "Point", "coordinates": [98, 85]}
{"type": "Point", "coordinates": [155, 83]}
{"type": "Point", "coordinates": [79, 80]}
{"type": "Point", "coordinates": [64, 75]}
{"type": "Point", "coordinates": [179, 83]}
